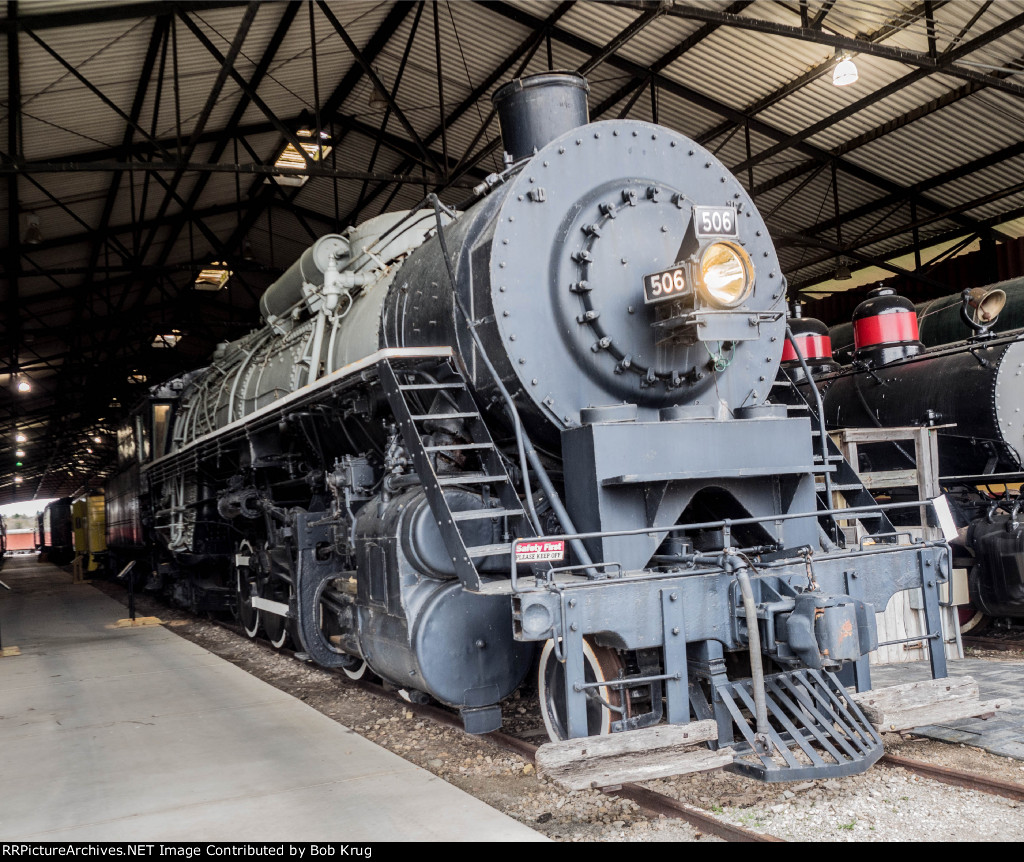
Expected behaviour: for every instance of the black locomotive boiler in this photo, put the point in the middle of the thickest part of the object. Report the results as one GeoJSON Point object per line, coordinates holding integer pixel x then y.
{"type": "Point", "coordinates": [972, 392]}
{"type": "Point", "coordinates": [536, 429]}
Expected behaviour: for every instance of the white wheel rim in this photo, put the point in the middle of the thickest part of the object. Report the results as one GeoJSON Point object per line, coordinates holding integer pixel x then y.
{"type": "Point", "coordinates": [355, 673]}
{"type": "Point", "coordinates": [972, 623]}
{"type": "Point", "coordinates": [589, 658]}
{"type": "Point", "coordinates": [243, 547]}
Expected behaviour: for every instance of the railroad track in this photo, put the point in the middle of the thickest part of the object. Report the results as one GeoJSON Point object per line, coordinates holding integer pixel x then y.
{"type": "Point", "coordinates": [1002, 644]}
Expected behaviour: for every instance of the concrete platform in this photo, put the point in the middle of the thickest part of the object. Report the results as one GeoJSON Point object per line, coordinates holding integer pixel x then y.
{"type": "Point", "coordinates": [135, 734]}
{"type": "Point", "coordinates": [1002, 734]}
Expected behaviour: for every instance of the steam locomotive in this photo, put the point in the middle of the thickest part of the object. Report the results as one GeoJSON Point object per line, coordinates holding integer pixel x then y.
{"type": "Point", "coordinates": [533, 431]}
{"type": "Point", "coordinates": [970, 391]}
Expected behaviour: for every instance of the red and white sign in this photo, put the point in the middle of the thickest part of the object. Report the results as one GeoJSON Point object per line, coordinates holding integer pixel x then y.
{"type": "Point", "coordinates": [539, 552]}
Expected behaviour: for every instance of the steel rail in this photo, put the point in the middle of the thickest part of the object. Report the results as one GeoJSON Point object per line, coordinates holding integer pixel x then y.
{"type": "Point", "coordinates": [956, 777]}
{"type": "Point", "coordinates": [993, 643]}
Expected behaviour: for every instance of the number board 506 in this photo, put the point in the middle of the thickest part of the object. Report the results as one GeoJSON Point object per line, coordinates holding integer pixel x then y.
{"type": "Point", "coordinates": [715, 222]}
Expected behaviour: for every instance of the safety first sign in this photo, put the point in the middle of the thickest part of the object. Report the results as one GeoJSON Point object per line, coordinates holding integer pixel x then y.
{"type": "Point", "coordinates": [540, 552]}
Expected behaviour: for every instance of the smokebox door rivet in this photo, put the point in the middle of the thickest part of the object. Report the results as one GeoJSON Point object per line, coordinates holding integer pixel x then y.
{"type": "Point", "coordinates": [561, 151]}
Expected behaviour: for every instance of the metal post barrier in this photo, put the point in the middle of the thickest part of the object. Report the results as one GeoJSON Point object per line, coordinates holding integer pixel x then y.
{"type": "Point", "coordinates": [124, 573]}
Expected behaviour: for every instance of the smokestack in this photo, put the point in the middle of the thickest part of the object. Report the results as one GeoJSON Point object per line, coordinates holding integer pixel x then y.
{"type": "Point", "coordinates": [535, 110]}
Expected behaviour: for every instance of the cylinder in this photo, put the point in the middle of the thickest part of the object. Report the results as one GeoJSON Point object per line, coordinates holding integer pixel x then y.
{"type": "Point", "coordinates": [535, 110]}
{"type": "Point", "coordinates": [282, 295]}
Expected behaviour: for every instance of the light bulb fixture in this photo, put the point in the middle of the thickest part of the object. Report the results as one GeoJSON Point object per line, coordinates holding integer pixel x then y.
{"type": "Point", "coordinates": [17, 480]}
{"type": "Point", "coordinates": [171, 339]}
{"type": "Point", "coordinates": [97, 439]}
{"type": "Point", "coordinates": [20, 438]}
{"type": "Point", "coordinates": [24, 385]}
{"type": "Point", "coordinates": [20, 453]}
{"type": "Point", "coordinates": [213, 277]}
{"type": "Point", "coordinates": [845, 72]}
{"type": "Point", "coordinates": [376, 100]}
{"type": "Point", "coordinates": [33, 235]}
{"type": "Point", "coordinates": [291, 158]}
{"type": "Point", "coordinates": [842, 272]}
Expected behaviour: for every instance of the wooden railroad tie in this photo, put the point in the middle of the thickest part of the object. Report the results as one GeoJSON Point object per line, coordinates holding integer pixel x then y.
{"type": "Point", "coordinates": [636, 755]}
{"type": "Point", "coordinates": [933, 701]}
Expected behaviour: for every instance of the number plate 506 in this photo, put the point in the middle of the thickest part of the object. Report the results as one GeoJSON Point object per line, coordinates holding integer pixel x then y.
{"type": "Point", "coordinates": [665, 285]}
{"type": "Point", "coordinates": [715, 221]}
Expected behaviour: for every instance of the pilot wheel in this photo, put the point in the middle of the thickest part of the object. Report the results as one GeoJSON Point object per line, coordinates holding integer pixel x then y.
{"type": "Point", "coordinates": [600, 664]}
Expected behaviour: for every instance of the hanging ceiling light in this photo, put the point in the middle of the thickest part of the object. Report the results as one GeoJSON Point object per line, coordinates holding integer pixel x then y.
{"type": "Point", "coordinates": [171, 339]}
{"type": "Point", "coordinates": [291, 158]}
{"type": "Point", "coordinates": [20, 438]}
{"type": "Point", "coordinates": [24, 385]}
{"type": "Point", "coordinates": [842, 272]}
{"type": "Point", "coordinates": [377, 101]}
{"type": "Point", "coordinates": [845, 72]}
{"type": "Point", "coordinates": [213, 277]}
{"type": "Point", "coordinates": [33, 235]}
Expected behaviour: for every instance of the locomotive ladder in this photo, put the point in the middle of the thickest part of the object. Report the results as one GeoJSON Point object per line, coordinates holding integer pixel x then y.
{"type": "Point", "coordinates": [844, 477]}
{"type": "Point", "coordinates": [491, 476]}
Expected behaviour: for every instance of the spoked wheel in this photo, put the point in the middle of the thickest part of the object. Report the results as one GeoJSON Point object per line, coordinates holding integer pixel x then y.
{"type": "Point", "coordinates": [274, 589]}
{"type": "Point", "coordinates": [245, 583]}
{"type": "Point", "coordinates": [600, 664]}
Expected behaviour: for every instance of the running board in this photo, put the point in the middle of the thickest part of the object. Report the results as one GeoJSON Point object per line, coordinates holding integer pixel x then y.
{"type": "Point", "coordinates": [633, 755]}
{"type": "Point", "coordinates": [816, 730]}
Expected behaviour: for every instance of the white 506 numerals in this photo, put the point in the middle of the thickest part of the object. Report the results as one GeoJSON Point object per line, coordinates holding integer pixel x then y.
{"type": "Point", "coordinates": [665, 285]}
{"type": "Point", "coordinates": [715, 222]}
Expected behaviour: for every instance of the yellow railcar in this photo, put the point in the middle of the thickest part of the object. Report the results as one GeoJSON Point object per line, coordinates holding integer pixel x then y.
{"type": "Point", "coordinates": [89, 524]}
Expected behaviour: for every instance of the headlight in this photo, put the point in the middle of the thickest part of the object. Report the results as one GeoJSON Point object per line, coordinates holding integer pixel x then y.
{"type": "Point", "coordinates": [726, 274]}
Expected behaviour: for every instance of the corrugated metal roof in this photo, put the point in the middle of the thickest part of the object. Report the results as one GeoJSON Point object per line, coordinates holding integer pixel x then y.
{"type": "Point", "coordinates": [951, 141]}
